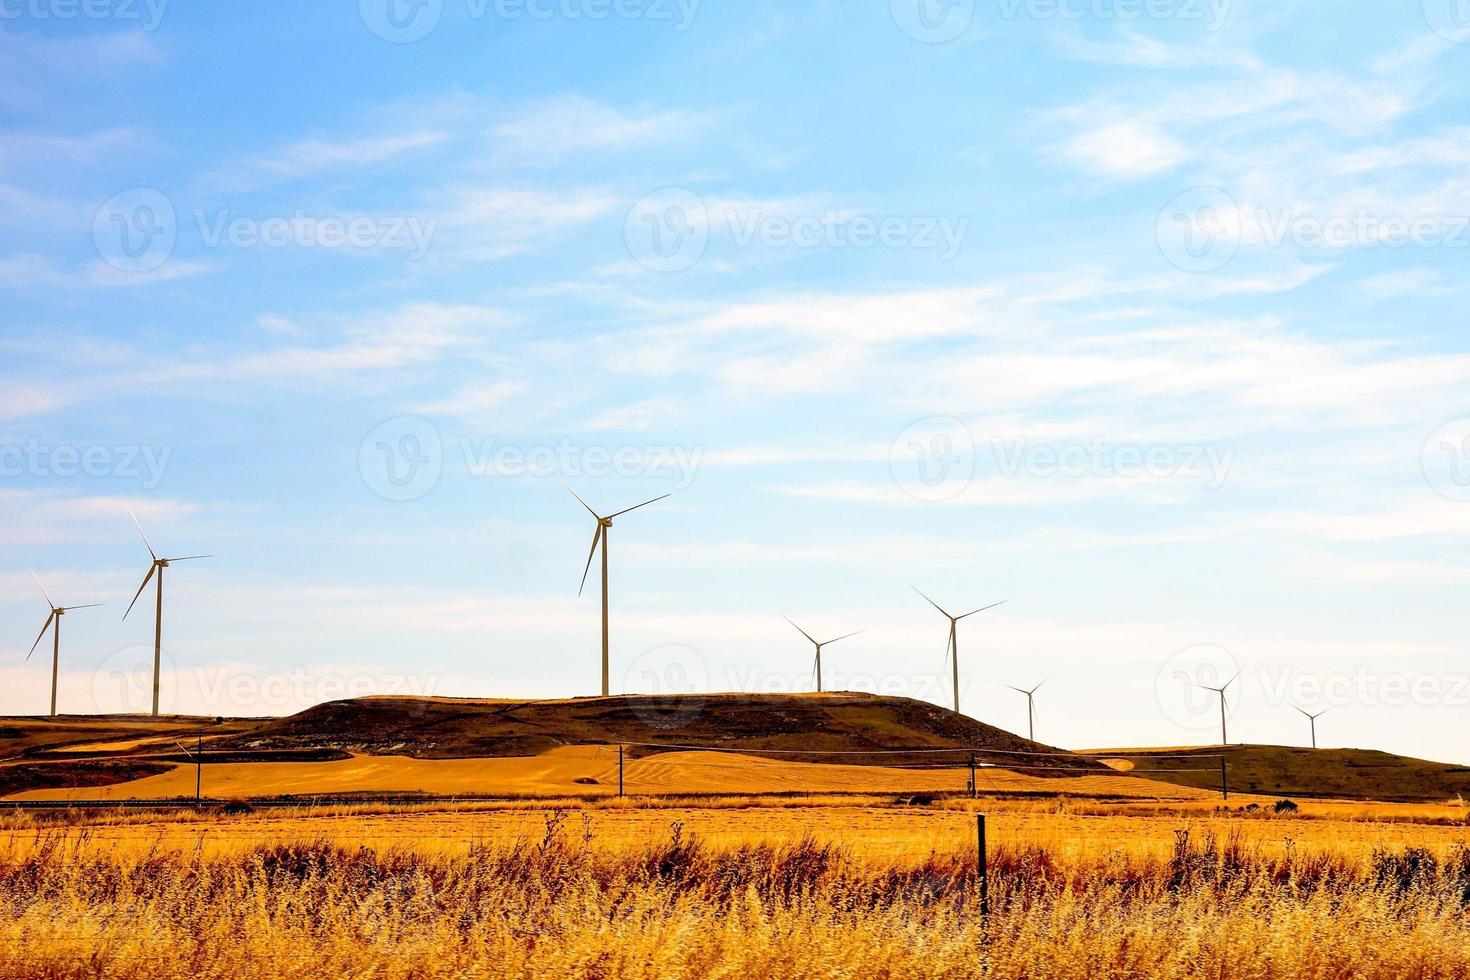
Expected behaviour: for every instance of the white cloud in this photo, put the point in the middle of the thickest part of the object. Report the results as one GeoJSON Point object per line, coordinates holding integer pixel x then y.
{"type": "Point", "coordinates": [1125, 150]}
{"type": "Point", "coordinates": [552, 128]}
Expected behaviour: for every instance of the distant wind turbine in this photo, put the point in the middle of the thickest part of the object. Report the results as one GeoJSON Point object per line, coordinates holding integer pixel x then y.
{"type": "Point", "coordinates": [55, 617]}
{"type": "Point", "coordinates": [1221, 691]}
{"type": "Point", "coordinates": [1313, 719]}
{"type": "Point", "coordinates": [953, 646]}
{"type": "Point", "coordinates": [1030, 708]}
{"type": "Point", "coordinates": [159, 564]}
{"type": "Point", "coordinates": [604, 524]}
{"type": "Point", "coordinates": [819, 646]}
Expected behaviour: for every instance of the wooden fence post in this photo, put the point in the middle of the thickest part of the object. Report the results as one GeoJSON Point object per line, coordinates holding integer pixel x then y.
{"type": "Point", "coordinates": [984, 863]}
{"type": "Point", "coordinates": [620, 770]}
{"type": "Point", "coordinates": [1224, 781]}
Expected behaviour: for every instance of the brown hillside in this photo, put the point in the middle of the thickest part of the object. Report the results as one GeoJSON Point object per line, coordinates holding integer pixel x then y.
{"type": "Point", "coordinates": [804, 725]}
{"type": "Point", "coordinates": [1278, 770]}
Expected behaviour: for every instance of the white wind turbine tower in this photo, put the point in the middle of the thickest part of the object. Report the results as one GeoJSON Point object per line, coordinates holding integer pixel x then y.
{"type": "Point", "coordinates": [819, 646]}
{"type": "Point", "coordinates": [54, 618]}
{"type": "Point", "coordinates": [1221, 691]}
{"type": "Point", "coordinates": [1030, 697]}
{"type": "Point", "coordinates": [953, 646]}
{"type": "Point", "coordinates": [604, 525]}
{"type": "Point", "coordinates": [159, 564]}
{"type": "Point", "coordinates": [1313, 720]}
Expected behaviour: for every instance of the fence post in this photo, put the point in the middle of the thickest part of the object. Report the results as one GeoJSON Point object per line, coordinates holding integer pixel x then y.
{"type": "Point", "coordinates": [620, 770]}
{"type": "Point", "coordinates": [984, 863]}
{"type": "Point", "coordinates": [1224, 782]}
{"type": "Point", "coordinates": [199, 772]}
{"type": "Point", "coordinates": [973, 788]}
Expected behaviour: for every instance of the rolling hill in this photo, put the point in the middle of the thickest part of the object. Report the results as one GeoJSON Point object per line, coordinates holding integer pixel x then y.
{"type": "Point", "coordinates": [342, 742]}
{"type": "Point", "coordinates": [1279, 770]}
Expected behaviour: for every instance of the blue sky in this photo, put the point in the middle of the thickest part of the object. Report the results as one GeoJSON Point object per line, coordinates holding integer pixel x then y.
{"type": "Point", "coordinates": [1146, 317]}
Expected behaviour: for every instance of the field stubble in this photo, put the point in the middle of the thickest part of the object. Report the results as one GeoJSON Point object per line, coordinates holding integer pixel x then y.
{"type": "Point", "coordinates": [795, 889]}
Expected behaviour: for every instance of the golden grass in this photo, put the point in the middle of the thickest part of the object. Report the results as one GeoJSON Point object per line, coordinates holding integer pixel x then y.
{"type": "Point", "coordinates": [623, 891]}
{"type": "Point", "coordinates": [589, 770]}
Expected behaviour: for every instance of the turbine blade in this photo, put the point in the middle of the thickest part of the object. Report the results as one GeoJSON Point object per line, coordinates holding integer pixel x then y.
{"type": "Point", "coordinates": [636, 506]}
{"type": "Point", "coordinates": [1302, 711]}
{"type": "Point", "coordinates": [146, 579]}
{"type": "Point", "coordinates": [930, 601]}
{"type": "Point", "coordinates": [43, 590]}
{"type": "Point", "coordinates": [948, 642]}
{"type": "Point", "coordinates": [854, 633]}
{"type": "Point", "coordinates": [90, 605]}
{"type": "Point", "coordinates": [140, 531]}
{"type": "Point", "coordinates": [580, 500]}
{"type": "Point", "coordinates": [799, 629]}
{"type": "Point", "coordinates": [1018, 690]}
{"type": "Point", "coordinates": [1038, 686]}
{"type": "Point", "coordinates": [188, 558]}
{"type": "Point", "coordinates": [41, 634]}
{"type": "Point", "coordinates": [983, 608]}
{"type": "Point", "coordinates": [596, 537]}
{"type": "Point", "coordinates": [1231, 681]}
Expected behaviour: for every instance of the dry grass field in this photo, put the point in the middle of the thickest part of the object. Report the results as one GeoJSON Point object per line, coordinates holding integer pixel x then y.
{"type": "Point", "coordinates": [586, 770]}
{"type": "Point", "coordinates": [737, 887]}
{"type": "Point", "coordinates": [758, 860]}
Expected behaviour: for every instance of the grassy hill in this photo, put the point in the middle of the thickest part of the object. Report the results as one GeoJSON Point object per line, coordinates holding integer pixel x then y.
{"type": "Point", "coordinates": [803, 725]}
{"type": "Point", "coordinates": [1279, 770]}
{"type": "Point", "coordinates": [861, 729]}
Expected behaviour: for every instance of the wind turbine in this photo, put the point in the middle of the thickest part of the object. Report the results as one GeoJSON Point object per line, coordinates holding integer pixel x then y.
{"type": "Point", "coordinates": [604, 524]}
{"type": "Point", "coordinates": [159, 564]}
{"type": "Point", "coordinates": [1030, 708]}
{"type": "Point", "coordinates": [954, 638]}
{"type": "Point", "coordinates": [819, 647]}
{"type": "Point", "coordinates": [1313, 719]}
{"type": "Point", "coordinates": [56, 613]}
{"type": "Point", "coordinates": [1221, 691]}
